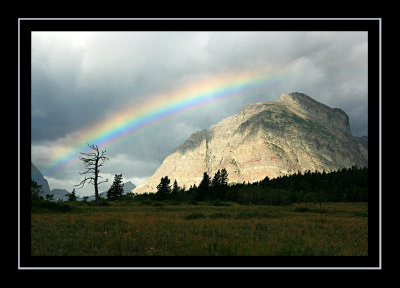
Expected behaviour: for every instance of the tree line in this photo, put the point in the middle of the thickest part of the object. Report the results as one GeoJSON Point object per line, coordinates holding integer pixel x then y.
{"type": "Point", "coordinates": [115, 192]}
{"type": "Point", "coordinates": [347, 184]}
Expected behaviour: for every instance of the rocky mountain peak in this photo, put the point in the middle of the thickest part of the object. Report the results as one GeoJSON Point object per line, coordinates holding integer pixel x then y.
{"type": "Point", "coordinates": [333, 118]}
{"type": "Point", "coordinates": [295, 133]}
{"type": "Point", "coordinates": [300, 99]}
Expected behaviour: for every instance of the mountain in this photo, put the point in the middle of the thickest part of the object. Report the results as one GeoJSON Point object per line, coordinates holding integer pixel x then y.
{"type": "Point", "coordinates": [295, 133]}
{"type": "Point", "coordinates": [59, 194]}
{"type": "Point", "coordinates": [102, 195]}
{"type": "Point", "coordinates": [38, 178]}
{"type": "Point", "coordinates": [128, 187]}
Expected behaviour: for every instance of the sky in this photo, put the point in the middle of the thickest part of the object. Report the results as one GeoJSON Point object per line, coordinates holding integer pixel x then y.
{"type": "Point", "coordinates": [139, 95]}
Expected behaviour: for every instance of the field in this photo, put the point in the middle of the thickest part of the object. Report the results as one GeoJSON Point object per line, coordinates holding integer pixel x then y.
{"type": "Point", "coordinates": [129, 228]}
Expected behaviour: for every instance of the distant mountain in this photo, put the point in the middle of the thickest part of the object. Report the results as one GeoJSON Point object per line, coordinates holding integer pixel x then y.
{"type": "Point", "coordinates": [102, 195]}
{"type": "Point", "coordinates": [128, 187]}
{"type": "Point", "coordinates": [59, 194]}
{"type": "Point", "coordinates": [295, 133]}
{"type": "Point", "coordinates": [37, 176]}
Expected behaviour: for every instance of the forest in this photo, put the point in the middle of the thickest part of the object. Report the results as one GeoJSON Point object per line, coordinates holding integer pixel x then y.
{"type": "Point", "coordinates": [347, 184]}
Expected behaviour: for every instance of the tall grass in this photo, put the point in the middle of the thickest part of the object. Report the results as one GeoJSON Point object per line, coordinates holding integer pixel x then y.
{"type": "Point", "coordinates": [133, 229]}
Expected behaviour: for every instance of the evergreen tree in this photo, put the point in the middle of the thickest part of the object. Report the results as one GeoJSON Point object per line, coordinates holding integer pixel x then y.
{"type": "Point", "coordinates": [163, 189]}
{"type": "Point", "coordinates": [219, 184]}
{"type": "Point", "coordinates": [216, 181]}
{"type": "Point", "coordinates": [215, 185]}
{"type": "Point", "coordinates": [204, 188]}
{"type": "Point", "coordinates": [116, 190]}
{"type": "Point", "coordinates": [175, 187]}
{"type": "Point", "coordinates": [36, 189]}
{"type": "Point", "coordinates": [71, 196]}
{"type": "Point", "coordinates": [224, 177]}
{"type": "Point", "coordinates": [175, 190]}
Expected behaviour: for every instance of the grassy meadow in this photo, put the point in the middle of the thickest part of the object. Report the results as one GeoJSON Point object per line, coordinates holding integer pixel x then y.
{"type": "Point", "coordinates": [131, 228]}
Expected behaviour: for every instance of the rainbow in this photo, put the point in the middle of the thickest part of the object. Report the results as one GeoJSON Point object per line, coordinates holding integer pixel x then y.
{"type": "Point", "coordinates": [132, 120]}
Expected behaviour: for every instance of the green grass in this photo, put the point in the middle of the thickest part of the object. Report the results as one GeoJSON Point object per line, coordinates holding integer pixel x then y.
{"type": "Point", "coordinates": [203, 229]}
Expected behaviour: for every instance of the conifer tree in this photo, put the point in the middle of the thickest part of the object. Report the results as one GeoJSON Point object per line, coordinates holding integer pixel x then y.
{"type": "Point", "coordinates": [163, 189]}
{"type": "Point", "coordinates": [216, 181]}
{"type": "Point", "coordinates": [71, 196]}
{"type": "Point", "coordinates": [116, 190]}
{"type": "Point", "coordinates": [36, 189]}
{"type": "Point", "coordinates": [175, 190]}
{"type": "Point", "coordinates": [204, 187]}
{"type": "Point", "coordinates": [224, 177]}
{"type": "Point", "coordinates": [175, 187]}
{"type": "Point", "coordinates": [219, 184]}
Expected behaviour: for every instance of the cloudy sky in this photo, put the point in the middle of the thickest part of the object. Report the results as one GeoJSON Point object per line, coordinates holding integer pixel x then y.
{"type": "Point", "coordinates": [87, 84]}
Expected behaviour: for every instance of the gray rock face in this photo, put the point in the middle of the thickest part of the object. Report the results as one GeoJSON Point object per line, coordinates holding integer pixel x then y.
{"type": "Point", "coordinates": [363, 140]}
{"type": "Point", "coordinates": [295, 133]}
{"type": "Point", "coordinates": [128, 187]}
{"type": "Point", "coordinates": [38, 178]}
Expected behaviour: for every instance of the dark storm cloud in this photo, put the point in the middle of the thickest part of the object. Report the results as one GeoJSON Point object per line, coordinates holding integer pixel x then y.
{"type": "Point", "coordinates": [82, 78]}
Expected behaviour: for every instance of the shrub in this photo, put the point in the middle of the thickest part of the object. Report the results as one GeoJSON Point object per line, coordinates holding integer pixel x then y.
{"type": "Point", "coordinates": [219, 215]}
{"type": "Point", "coordinates": [174, 202]}
{"type": "Point", "coordinates": [157, 204]}
{"type": "Point", "coordinates": [360, 214]}
{"type": "Point", "coordinates": [146, 202]}
{"type": "Point", "coordinates": [195, 216]}
{"type": "Point", "coordinates": [253, 214]}
{"type": "Point", "coordinates": [102, 202]}
{"type": "Point", "coordinates": [320, 211]}
{"type": "Point", "coordinates": [50, 206]}
{"type": "Point", "coordinates": [301, 209]}
{"type": "Point", "coordinates": [219, 203]}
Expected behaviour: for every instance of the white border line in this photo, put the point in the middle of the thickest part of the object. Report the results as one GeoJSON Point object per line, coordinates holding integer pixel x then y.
{"type": "Point", "coordinates": [212, 268]}
{"type": "Point", "coordinates": [19, 149]}
{"type": "Point", "coordinates": [199, 19]}
{"type": "Point", "coordinates": [380, 143]}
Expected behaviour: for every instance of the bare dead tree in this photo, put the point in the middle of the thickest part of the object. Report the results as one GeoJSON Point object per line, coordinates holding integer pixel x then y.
{"type": "Point", "coordinates": [92, 161]}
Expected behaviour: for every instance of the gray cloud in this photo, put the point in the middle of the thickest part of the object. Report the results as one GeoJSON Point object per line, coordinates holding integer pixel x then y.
{"type": "Point", "coordinates": [82, 78]}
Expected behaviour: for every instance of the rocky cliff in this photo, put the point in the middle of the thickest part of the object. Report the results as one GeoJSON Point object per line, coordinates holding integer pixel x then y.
{"type": "Point", "coordinates": [295, 133]}
{"type": "Point", "coordinates": [37, 176]}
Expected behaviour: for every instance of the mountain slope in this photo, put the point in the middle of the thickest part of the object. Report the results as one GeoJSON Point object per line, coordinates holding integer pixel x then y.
{"type": "Point", "coordinates": [38, 178]}
{"type": "Point", "coordinates": [128, 186]}
{"type": "Point", "coordinates": [295, 133]}
{"type": "Point", "coordinates": [59, 194]}
{"type": "Point", "coordinates": [363, 140]}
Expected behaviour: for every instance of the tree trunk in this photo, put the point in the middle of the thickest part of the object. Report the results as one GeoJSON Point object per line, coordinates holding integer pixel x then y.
{"type": "Point", "coordinates": [96, 173]}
